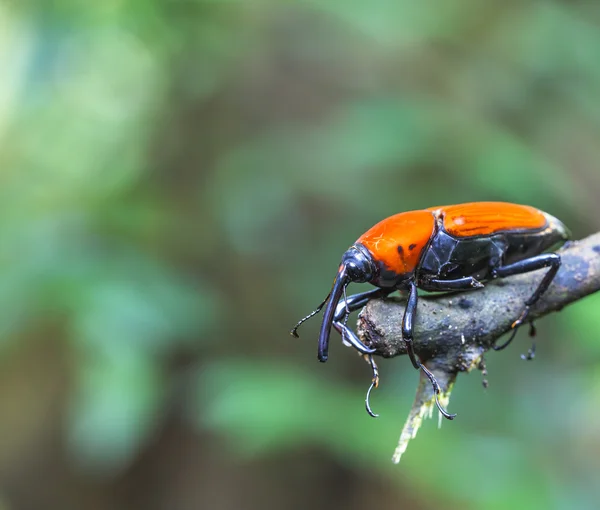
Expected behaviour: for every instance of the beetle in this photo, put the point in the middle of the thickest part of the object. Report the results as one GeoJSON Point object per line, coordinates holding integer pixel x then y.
{"type": "Point", "coordinates": [443, 248]}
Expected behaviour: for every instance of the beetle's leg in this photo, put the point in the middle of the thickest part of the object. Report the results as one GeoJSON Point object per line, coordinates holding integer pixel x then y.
{"type": "Point", "coordinates": [350, 336]}
{"type": "Point", "coordinates": [507, 343]}
{"type": "Point", "coordinates": [374, 383]}
{"type": "Point", "coordinates": [436, 392]}
{"type": "Point", "coordinates": [357, 301]}
{"type": "Point", "coordinates": [407, 335]}
{"type": "Point", "coordinates": [351, 304]}
{"type": "Point", "coordinates": [551, 260]}
{"type": "Point", "coordinates": [408, 324]}
{"type": "Point", "coordinates": [467, 283]}
{"type": "Point", "coordinates": [348, 305]}
{"type": "Point", "coordinates": [532, 329]}
{"type": "Point", "coordinates": [531, 351]}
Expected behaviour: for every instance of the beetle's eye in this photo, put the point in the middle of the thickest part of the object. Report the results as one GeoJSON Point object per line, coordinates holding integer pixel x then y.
{"type": "Point", "coordinates": [356, 273]}
{"type": "Point", "coordinates": [359, 267]}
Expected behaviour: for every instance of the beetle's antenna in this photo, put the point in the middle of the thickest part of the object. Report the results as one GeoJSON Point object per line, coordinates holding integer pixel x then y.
{"type": "Point", "coordinates": [346, 302]}
{"type": "Point", "coordinates": [346, 315]}
{"type": "Point", "coordinates": [436, 392]}
{"type": "Point", "coordinates": [374, 383]}
{"type": "Point", "coordinates": [294, 331]}
{"type": "Point", "coordinates": [348, 312]}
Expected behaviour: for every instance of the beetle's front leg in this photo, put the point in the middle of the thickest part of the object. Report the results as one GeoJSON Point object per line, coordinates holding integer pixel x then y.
{"type": "Point", "coordinates": [346, 307]}
{"type": "Point", "coordinates": [408, 322]}
{"type": "Point", "coordinates": [349, 337]}
{"type": "Point", "coordinates": [352, 303]}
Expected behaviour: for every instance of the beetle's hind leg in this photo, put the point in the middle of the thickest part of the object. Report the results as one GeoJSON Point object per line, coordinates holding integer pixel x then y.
{"type": "Point", "coordinates": [531, 351]}
{"type": "Point", "coordinates": [551, 260]}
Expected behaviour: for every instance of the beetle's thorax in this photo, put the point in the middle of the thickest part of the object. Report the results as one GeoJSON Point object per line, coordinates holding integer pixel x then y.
{"type": "Point", "coordinates": [396, 246]}
{"type": "Point", "coordinates": [361, 266]}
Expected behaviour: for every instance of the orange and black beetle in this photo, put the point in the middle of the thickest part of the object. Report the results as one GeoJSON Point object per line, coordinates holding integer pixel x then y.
{"type": "Point", "coordinates": [447, 248]}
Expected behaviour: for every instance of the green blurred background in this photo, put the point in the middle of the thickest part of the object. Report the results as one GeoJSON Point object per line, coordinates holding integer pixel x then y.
{"type": "Point", "coordinates": [178, 182]}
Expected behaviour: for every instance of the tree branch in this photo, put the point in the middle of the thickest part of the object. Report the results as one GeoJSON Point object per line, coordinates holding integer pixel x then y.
{"type": "Point", "coordinates": [453, 331]}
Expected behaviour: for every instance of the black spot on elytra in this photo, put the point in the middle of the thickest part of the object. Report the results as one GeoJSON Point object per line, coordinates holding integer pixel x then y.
{"type": "Point", "coordinates": [465, 303]}
{"type": "Point", "coordinates": [596, 248]}
{"type": "Point", "coordinates": [412, 247]}
{"type": "Point", "coordinates": [401, 250]}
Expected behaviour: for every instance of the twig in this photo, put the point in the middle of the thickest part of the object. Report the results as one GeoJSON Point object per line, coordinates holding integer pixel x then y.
{"type": "Point", "coordinates": [453, 331]}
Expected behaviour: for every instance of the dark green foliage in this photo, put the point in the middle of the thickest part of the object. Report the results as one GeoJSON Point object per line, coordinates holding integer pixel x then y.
{"type": "Point", "coordinates": [178, 181]}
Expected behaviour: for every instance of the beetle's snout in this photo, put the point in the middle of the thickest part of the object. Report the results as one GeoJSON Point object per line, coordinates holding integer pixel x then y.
{"type": "Point", "coordinates": [339, 284]}
{"type": "Point", "coordinates": [359, 264]}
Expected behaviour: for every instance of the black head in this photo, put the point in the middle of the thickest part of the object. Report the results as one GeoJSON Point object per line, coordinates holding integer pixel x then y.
{"type": "Point", "coordinates": [357, 266]}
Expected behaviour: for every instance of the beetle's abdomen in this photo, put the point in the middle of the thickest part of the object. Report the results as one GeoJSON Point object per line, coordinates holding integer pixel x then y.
{"type": "Point", "coordinates": [397, 243]}
{"type": "Point", "coordinates": [486, 218]}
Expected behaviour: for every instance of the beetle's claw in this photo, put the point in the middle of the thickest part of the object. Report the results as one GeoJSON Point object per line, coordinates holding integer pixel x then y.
{"type": "Point", "coordinates": [530, 353]}
{"type": "Point", "coordinates": [444, 413]}
{"type": "Point", "coordinates": [367, 404]}
{"type": "Point", "coordinates": [436, 392]}
{"type": "Point", "coordinates": [374, 383]}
